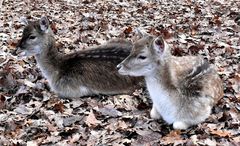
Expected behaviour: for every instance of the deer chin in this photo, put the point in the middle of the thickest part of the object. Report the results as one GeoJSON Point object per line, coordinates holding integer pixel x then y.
{"type": "Point", "coordinates": [122, 71]}
{"type": "Point", "coordinates": [22, 53]}
{"type": "Point", "coordinates": [28, 52]}
{"type": "Point", "coordinates": [138, 73]}
{"type": "Point", "coordinates": [129, 73]}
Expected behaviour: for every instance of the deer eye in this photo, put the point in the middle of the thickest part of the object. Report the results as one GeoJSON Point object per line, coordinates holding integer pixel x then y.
{"type": "Point", "coordinates": [32, 37]}
{"type": "Point", "coordinates": [142, 57]}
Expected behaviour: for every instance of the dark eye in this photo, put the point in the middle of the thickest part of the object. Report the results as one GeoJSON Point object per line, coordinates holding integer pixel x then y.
{"type": "Point", "coordinates": [32, 37]}
{"type": "Point", "coordinates": [142, 57]}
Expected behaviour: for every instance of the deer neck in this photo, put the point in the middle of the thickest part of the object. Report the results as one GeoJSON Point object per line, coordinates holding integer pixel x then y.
{"type": "Point", "coordinates": [161, 75]}
{"type": "Point", "coordinates": [49, 59]}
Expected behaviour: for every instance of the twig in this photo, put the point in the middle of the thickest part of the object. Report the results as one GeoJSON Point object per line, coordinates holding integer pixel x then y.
{"type": "Point", "coordinates": [97, 33]}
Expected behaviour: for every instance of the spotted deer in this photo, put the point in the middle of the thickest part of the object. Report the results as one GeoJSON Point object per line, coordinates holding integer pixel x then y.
{"type": "Point", "coordinates": [83, 73]}
{"type": "Point", "coordinates": [183, 89]}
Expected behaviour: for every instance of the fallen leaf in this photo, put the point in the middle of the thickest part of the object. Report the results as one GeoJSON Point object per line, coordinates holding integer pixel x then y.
{"type": "Point", "coordinates": [121, 125]}
{"type": "Point", "coordinates": [221, 133]}
{"type": "Point", "coordinates": [110, 112]}
{"type": "Point", "coordinates": [59, 107]}
{"type": "Point", "coordinates": [91, 119]}
{"type": "Point", "coordinates": [21, 109]}
{"type": "Point", "coordinates": [171, 138]}
{"type": "Point", "coordinates": [128, 30]}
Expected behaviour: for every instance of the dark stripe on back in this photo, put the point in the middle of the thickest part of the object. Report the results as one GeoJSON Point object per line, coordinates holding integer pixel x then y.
{"type": "Point", "coordinates": [103, 52]}
{"type": "Point", "coordinates": [199, 69]}
{"type": "Point", "coordinates": [191, 85]}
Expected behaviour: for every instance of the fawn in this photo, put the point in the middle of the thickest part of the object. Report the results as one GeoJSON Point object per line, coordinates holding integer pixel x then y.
{"type": "Point", "coordinates": [183, 89]}
{"type": "Point", "coordinates": [82, 73]}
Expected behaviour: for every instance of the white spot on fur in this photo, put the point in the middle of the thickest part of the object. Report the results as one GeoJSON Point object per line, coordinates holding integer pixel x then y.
{"type": "Point", "coordinates": [180, 125]}
{"type": "Point", "coordinates": [71, 92]}
{"type": "Point", "coordinates": [37, 49]}
{"type": "Point", "coordinates": [161, 100]}
{"type": "Point", "coordinates": [154, 114]}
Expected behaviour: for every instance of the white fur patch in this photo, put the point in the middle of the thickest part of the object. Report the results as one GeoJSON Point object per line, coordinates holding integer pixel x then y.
{"type": "Point", "coordinates": [161, 100]}
{"type": "Point", "coordinates": [47, 74]}
{"type": "Point", "coordinates": [37, 49]}
{"type": "Point", "coordinates": [180, 125]}
{"type": "Point", "coordinates": [154, 113]}
{"type": "Point", "coordinates": [23, 53]}
{"type": "Point", "coordinates": [81, 91]}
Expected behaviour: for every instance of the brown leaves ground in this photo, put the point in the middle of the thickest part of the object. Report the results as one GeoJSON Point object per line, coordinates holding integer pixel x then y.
{"type": "Point", "coordinates": [32, 115]}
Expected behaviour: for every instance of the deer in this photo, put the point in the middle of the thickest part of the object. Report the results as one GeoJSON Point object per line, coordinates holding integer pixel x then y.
{"type": "Point", "coordinates": [183, 89]}
{"type": "Point", "coordinates": [82, 73]}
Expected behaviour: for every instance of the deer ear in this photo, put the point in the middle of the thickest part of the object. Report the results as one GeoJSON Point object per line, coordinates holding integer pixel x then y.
{"type": "Point", "coordinates": [44, 24]}
{"type": "Point", "coordinates": [159, 45]}
{"type": "Point", "coordinates": [141, 32]}
{"type": "Point", "coordinates": [23, 20]}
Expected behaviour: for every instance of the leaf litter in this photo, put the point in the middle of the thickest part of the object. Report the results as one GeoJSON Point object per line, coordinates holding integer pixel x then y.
{"type": "Point", "coordinates": [32, 115]}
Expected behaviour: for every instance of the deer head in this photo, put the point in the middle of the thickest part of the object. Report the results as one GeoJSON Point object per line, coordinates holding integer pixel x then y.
{"type": "Point", "coordinates": [147, 53]}
{"type": "Point", "coordinates": [35, 37]}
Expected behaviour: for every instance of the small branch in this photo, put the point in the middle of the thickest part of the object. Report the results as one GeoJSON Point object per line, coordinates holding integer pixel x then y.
{"type": "Point", "coordinates": [97, 33]}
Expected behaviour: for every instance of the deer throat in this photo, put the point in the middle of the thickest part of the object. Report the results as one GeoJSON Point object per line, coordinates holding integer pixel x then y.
{"type": "Point", "coordinates": [49, 62]}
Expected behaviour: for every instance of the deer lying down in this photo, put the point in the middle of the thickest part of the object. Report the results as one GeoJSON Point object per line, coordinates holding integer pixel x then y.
{"type": "Point", "coordinates": [78, 74]}
{"type": "Point", "coordinates": [183, 89]}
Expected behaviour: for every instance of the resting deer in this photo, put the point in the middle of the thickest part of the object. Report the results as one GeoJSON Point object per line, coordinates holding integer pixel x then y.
{"type": "Point", "coordinates": [183, 89]}
{"type": "Point", "coordinates": [82, 73]}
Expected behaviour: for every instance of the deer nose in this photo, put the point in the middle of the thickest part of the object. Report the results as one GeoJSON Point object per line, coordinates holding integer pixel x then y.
{"type": "Point", "coordinates": [119, 66]}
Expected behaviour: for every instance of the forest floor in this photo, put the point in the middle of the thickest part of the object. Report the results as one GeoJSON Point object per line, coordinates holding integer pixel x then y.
{"type": "Point", "coordinates": [30, 114]}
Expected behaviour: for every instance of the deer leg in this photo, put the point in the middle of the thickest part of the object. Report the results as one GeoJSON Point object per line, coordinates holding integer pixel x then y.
{"type": "Point", "coordinates": [154, 113]}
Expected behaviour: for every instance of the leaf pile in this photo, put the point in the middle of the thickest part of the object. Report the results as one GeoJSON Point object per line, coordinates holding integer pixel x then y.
{"type": "Point", "coordinates": [32, 115]}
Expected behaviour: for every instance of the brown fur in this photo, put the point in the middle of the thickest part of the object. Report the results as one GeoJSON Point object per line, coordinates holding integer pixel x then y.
{"type": "Point", "coordinates": [183, 89]}
{"type": "Point", "coordinates": [82, 73]}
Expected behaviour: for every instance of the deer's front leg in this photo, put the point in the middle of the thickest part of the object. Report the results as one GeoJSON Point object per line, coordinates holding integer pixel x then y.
{"type": "Point", "coordinates": [180, 125]}
{"type": "Point", "coordinates": [154, 113]}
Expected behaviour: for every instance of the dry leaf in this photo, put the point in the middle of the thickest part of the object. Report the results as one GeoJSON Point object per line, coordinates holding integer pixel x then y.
{"type": "Point", "coordinates": [31, 114]}
{"type": "Point", "coordinates": [110, 112]}
{"type": "Point", "coordinates": [221, 133]}
{"type": "Point", "coordinates": [173, 137]}
{"type": "Point", "coordinates": [91, 120]}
